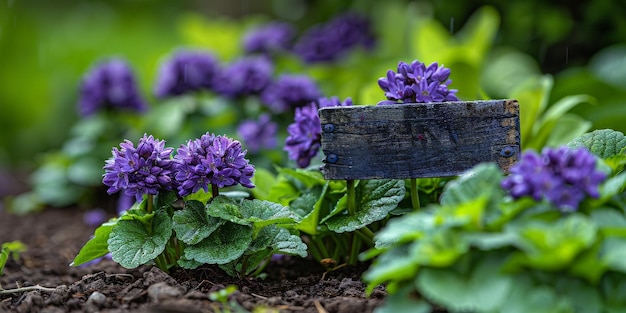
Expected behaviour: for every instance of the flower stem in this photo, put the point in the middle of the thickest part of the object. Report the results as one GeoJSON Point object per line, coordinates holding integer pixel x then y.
{"type": "Point", "coordinates": [215, 191]}
{"type": "Point", "coordinates": [351, 197]}
{"type": "Point", "coordinates": [415, 199]}
{"type": "Point", "coordinates": [150, 205]}
{"type": "Point", "coordinates": [354, 249]}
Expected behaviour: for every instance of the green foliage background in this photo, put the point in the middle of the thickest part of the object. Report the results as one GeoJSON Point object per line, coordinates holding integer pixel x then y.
{"type": "Point", "coordinates": [539, 52]}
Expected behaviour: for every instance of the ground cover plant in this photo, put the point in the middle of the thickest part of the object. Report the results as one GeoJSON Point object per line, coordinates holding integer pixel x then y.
{"type": "Point", "coordinates": [212, 186]}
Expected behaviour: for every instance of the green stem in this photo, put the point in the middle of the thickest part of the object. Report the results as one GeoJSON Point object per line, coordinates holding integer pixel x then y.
{"type": "Point", "coordinates": [354, 249]}
{"type": "Point", "coordinates": [415, 199]}
{"type": "Point", "coordinates": [312, 245]}
{"type": "Point", "coordinates": [351, 197]}
{"type": "Point", "coordinates": [215, 191]}
{"type": "Point", "coordinates": [161, 263]}
{"type": "Point", "coordinates": [150, 203]}
{"type": "Point", "coordinates": [367, 235]}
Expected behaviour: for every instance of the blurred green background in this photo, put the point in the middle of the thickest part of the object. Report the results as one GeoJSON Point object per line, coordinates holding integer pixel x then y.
{"type": "Point", "coordinates": [45, 48]}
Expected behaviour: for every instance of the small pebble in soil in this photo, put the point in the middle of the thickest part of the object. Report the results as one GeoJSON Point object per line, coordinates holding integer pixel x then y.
{"type": "Point", "coordinates": [97, 298]}
{"type": "Point", "coordinates": [161, 291]}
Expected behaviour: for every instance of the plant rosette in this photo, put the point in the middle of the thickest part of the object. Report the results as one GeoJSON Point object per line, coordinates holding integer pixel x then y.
{"type": "Point", "coordinates": [178, 221]}
{"type": "Point", "coordinates": [549, 237]}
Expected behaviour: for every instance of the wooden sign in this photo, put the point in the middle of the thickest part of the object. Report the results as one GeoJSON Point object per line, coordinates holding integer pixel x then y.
{"type": "Point", "coordinates": [419, 139]}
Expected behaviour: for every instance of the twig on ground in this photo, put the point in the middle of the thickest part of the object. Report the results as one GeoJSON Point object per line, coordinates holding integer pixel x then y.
{"type": "Point", "coordinates": [319, 307]}
{"type": "Point", "coordinates": [24, 289]}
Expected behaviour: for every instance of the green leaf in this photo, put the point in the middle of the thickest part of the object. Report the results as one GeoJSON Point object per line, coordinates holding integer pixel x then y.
{"type": "Point", "coordinates": [582, 296]}
{"type": "Point", "coordinates": [262, 213]}
{"type": "Point", "coordinates": [482, 290]}
{"type": "Point", "coordinates": [192, 223]}
{"type": "Point", "coordinates": [532, 96]}
{"type": "Point", "coordinates": [544, 127]}
{"type": "Point", "coordinates": [132, 243]}
{"type": "Point", "coordinates": [604, 143]}
{"type": "Point", "coordinates": [551, 246]}
{"type": "Point", "coordinates": [395, 265]}
{"type": "Point", "coordinates": [165, 199]}
{"type": "Point", "coordinates": [97, 246]}
{"type": "Point", "coordinates": [613, 288]}
{"type": "Point", "coordinates": [613, 253]}
{"type": "Point", "coordinates": [307, 177]}
{"type": "Point", "coordinates": [284, 242]}
{"type": "Point", "coordinates": [225, 244]}
{"type": "Point", "coordinates": [491, 241]}
{"type": "Point", "coordinates": [482, 179]}
{"type": "Point", "coordinates": [440, 248]}
{"type": "Point", "coordinates": [4, 257]}
{"type": "Point", "coordinates": [263, 179]}
{"type": "Point", "coordinates": [188, 264]}
{"type": "Point", "coordinates": [524, 297]}
{"type": "Point", "coordinates": [227, 209]}
{"type": "Point", "coordinates": [376, 198]}
{"type": "Point", "coordinates": [406, 228]}
{"type": "Point", "coordinates": [568, 128]}
{"type": "Point", "coordinates": [310, 222]}
{"type": "Point", "coordinates": [589, 264]}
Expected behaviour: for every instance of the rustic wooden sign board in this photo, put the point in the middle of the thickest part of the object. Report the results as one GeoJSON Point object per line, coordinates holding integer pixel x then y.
{"type": "Point", "coordinates": [418, 140]}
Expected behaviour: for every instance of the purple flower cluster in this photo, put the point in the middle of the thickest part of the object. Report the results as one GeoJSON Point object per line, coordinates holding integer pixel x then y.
{"type": "Point", "coordinates": [269, 38]}
{"type": "Point", "coordinates": [215, 160]}
{"type": "Point", "coordinates": [415, 83]}
{"type": "Point", "coordinates": [561, 176]}
{"type": "Point", "coordinates": [186, 71]}
{"type": "Point", "coordinates": [142, 170]}
{"type": "Point", "coordinates": [110, 84]}
{"type": "Point", "coordinates": [289, 92]}
{"type": "Point", "coordinates": [246, 76]}
{"type": "Point", "coordinates": [260, 134]}
{"type": "Point", "coordinates": [330, 41]}
{"type": "Point", "coordinates": [304, 135]}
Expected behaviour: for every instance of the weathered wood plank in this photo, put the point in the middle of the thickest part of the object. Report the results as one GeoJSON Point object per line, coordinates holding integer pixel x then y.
{"type": "Point", "coordinates": [418, 140]}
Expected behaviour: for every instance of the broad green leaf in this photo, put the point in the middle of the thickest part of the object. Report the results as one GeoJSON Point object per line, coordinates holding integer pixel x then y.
{"type": "Point", "coordinates": [165, 199]}
{"type": "Point", "coordinates": [133, 243]}
{"type": "Point", "coordinates": [85, 171]}
{"type": "Point", "coordinates": [227, 209]}
{"type": "Point", "coordinates": [395, 265]}
{"type": "Point", "coordinates": [188, 264]}
{"type": "Point", "coordinates": [304, 204]}
{"type": "Point", "coordinates": [481, 180]}
{"type": "Point", "coordinates": [491, 241]}
{"type": "Point", "coordinates": [613, 253]}
{"type": "Point", "coordinates": [478, 34]}
{"type": "Point", "coordinates": [192, 224]}
{"type": "Point", "coordinates": [583, 296]}
{"type": "Point", "coordinates": [283, 191]}
{"type": "Point", "coordinates": [506, 70]}
{"type": "Point", "coordinates": [568, 127]}
{"type": "Point", "coordinates": [307, 177]}
{"type": "Point", "coordinates": [614, 289]}
{"type": "Point", "coordinates": [375, 199]}
{"type": "Point", "coordinates": [406, 228]}
{"type": "Point", "coordinates": [287, 243]}
{"type": "Point", "coordinates": [608, 65]}
{"type": "Point", "coordinates": [97, 246]}
{"type": "Point", "coordinates": [440, 248]}
{"type": "Point", "coordinates": [551, 246]}
{"type": "Point", "coordinates": [543, 128]}
{"type": "Point", "coordinates": [524, 297]}
{"type": "Point", "coordinates": [604, 143]}
{"type": "Point", "coordinates": [225, 244]}
{"type": "Point", "coordinates": [589, 264]}
{"type": "Point", "coordinates": [262, 213]}
{"type": "Point", "coordinates": [310, 222]}
{"type": "Point", "coordinates": [482, 290]}
{"type": "Point", "coordinates": [469, 213]}
{"type": "Point", "coordinates": [263, 179]}
{"type": "Point", "coordinates": [532, 96]}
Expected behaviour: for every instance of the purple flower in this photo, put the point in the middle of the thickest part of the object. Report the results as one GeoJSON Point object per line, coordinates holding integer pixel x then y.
{"type": "Point", "coordinates": [304, 135]}
{"type": "Point", "coordinates": [269, 38]}
{"type": "Point", "coordinates": [186, 71]}
{"type": "Point", "coordinates": [138, 171]}
{"type": "Point", "coordinates": [247, 76]}
{"type": "Point", "coordinates": [416, 83]}
{"type": "Point", "coordinates": [258, 135]}
{"type": "Point", "coordinates": [561, 176]}
{"type": "Point", "coordinates": [212, 160]}
{"type": "Point", "coordinates": [289, 92]}
{"type": "Point", "coordinates": [110, 84]}
{"type": "Point", "coordinates": [330, 41]}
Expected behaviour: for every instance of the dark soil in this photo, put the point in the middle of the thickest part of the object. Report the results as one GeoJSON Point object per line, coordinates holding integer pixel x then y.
{"type": "Point", "coordinates": [55, 236]}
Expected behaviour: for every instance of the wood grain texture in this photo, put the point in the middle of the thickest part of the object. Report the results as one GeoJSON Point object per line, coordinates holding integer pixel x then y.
{"type": "Point", "coordinates": [418, 140]}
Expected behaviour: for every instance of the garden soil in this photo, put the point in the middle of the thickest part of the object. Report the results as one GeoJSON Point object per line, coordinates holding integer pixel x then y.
{"type": "Point", "coordinates": [54, 237]}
